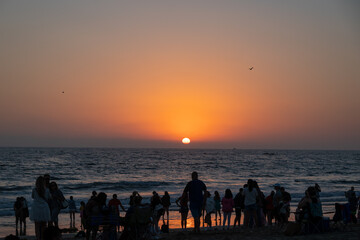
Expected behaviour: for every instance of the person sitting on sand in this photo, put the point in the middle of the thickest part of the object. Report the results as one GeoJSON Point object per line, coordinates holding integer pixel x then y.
{"type": "Point", "coordinates": [302, 210]}
{"type": "Point", "coordinates": [227, 207]}
{"type": "Point", "coordinates": [217, 201]}
{"type": "Point", "coordinates": [311, 205]}
{"type": "Point", "coordinates": [182, 202]}
{"type": "Point", "coordinates": [195, 188]}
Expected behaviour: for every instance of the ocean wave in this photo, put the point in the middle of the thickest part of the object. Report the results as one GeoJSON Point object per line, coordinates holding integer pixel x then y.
{"type": "Point", "coordinates": [123, 185]}
{"type": "Point", "coordinates": [345, 181]}
{"type": "Point", "coordinates": [14, 188]}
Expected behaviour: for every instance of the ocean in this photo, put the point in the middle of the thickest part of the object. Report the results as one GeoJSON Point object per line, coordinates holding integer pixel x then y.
{"type": "Point", "coordinates": [79, 171]}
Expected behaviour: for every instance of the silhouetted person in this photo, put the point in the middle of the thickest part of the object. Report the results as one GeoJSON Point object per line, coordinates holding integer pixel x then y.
{"type": "Point", "coordinates": [239, 202]}
{"type": "Point", "coordinates": [196, 188]}
{"type": "Point", "coordinates": [40, 211]}
{"type": "Point", "coordinates": [165, 200]}
{"type": "Point", "coordinates": [114, 204]}
{"type": "Point", "coordinates": [95, 208]}
{"type": "Point", "coordinates": [57, 198]}
{"type": "Point", "coordinates": [227, 207]}
{"type": "Point", "coordinates": [72, 211]}
{"type": "Point", "coordinates": [20, 215]}
{"type": "Point", "coordinates": [182, 202]}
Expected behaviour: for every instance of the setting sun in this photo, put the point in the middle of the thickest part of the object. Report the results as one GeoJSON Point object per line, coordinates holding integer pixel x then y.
{"type": "Point", "coordinates": [186, 141]}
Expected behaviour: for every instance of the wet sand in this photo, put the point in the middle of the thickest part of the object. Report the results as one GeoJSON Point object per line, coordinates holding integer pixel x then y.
{"type": "Point", "coordinates": [352, 232]}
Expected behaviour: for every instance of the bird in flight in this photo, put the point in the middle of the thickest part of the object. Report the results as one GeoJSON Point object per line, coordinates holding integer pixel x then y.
{"type": "Point", "coordinates": [251, 68]}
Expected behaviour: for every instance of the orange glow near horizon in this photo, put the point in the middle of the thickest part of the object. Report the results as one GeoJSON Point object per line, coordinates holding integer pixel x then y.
{"type": "Point", "coordinates": [157, 72]}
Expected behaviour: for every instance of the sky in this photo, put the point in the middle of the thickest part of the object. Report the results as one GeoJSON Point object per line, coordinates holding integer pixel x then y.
{"type": "Point", "coordinates": [149, 73]}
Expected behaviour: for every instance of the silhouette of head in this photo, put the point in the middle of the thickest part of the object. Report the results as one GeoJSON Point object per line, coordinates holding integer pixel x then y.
{"type": "Point", "coordinates": [194, 176]}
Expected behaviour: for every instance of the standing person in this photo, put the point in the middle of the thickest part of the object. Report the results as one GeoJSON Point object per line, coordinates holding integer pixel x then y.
{"type": "Point", "coordinates": [24, 215]}
{"type": "Point", "coordinates": [217, 201]}
{"type": "Point", "coordinates": [209, 207]}
{"type": "Point", "coordinates": [135, 195]}
{"type": "Point", "coordinates": [93, 194]}
{"type": "Point", "coordinates": [47, 180]}
{"type": "Point", "coordinates": [82, 214]}
{"type": "Point", "coordinates": [94, 209]}
{"type": "Point", "coordinates": [260, 205]}
{"type": "Point", "coordinates": [276, 202]}
{"type": "Point", "coordinates": [227, 207]}
{"type": "Point", "coordinates": [269, 207]}
{"type": "Point", "coordinates": [72, 211]}
{"type": "Point", "coordinates": [353, 200]}
{"type": "Point", "coordinates": [166, 203]}
{"type": "Point", "coordinates": [238, 201]}
{"type": "Point", "coordinates": [40, 211]}
{"type": "Point", "coordinates": [251, 197]}
{"type": "Point", "coordinates": [158, 210]}
{"type": "Point", "coordinates": [182, 202]}
{"type": "Point", "coordinates": [114, 204]}
{"type": "Point", "coordinates": [57, 198]}
{"type": "Point", "coordinates": [18, 209]}
{"type": "Point", "coordinates": [195, 188]}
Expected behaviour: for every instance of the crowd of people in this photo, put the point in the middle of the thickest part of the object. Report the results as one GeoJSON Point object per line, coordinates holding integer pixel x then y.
{"type": "Point", "coordinates": [257, 209]}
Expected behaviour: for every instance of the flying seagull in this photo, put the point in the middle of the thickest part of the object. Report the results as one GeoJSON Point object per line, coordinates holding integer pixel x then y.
{"type": "Point", "coordinates": [251, 68]}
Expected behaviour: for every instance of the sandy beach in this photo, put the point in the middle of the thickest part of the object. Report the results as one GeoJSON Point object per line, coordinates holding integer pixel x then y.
{"type": "Point", "coordinates": [352, 232]}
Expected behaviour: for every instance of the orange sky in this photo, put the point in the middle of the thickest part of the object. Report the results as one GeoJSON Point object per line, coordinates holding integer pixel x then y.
{"type": "Point", "coordinates": [148, 74]}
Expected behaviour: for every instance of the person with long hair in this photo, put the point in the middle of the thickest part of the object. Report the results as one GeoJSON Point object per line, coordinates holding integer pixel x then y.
{"type": "Point", "coordinates": [182, 202]}
{"type": "Point", "coordinates": [217, 200]}
{"type": "Point", "coordinates": [57, 198]}
{"type": "Point", "coordinates": [227, 207]}
{"type": "Point", "coordinates": [40, 211]}
{"type": "Point", "coordinates": [95, 208]}
{"type": "Point", "coordinates": [251, 197]}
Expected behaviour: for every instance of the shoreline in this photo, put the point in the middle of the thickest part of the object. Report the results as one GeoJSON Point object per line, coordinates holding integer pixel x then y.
{"type": "Point", "coordinates": [175, 232]}
{"type": "Point", "coordinates": [352, 232]}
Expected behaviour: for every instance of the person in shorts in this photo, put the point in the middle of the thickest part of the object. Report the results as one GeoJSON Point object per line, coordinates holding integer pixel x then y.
{"type": "Point", "coordinates": [196, 189]}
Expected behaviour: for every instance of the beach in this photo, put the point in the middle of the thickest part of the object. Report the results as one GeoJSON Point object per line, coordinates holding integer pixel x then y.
{"type": "Point", "coordinates": [352, 232]}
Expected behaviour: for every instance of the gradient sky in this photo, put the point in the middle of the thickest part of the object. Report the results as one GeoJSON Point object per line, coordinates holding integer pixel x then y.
{"type": "Point", "coordinates": [148, 73]}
